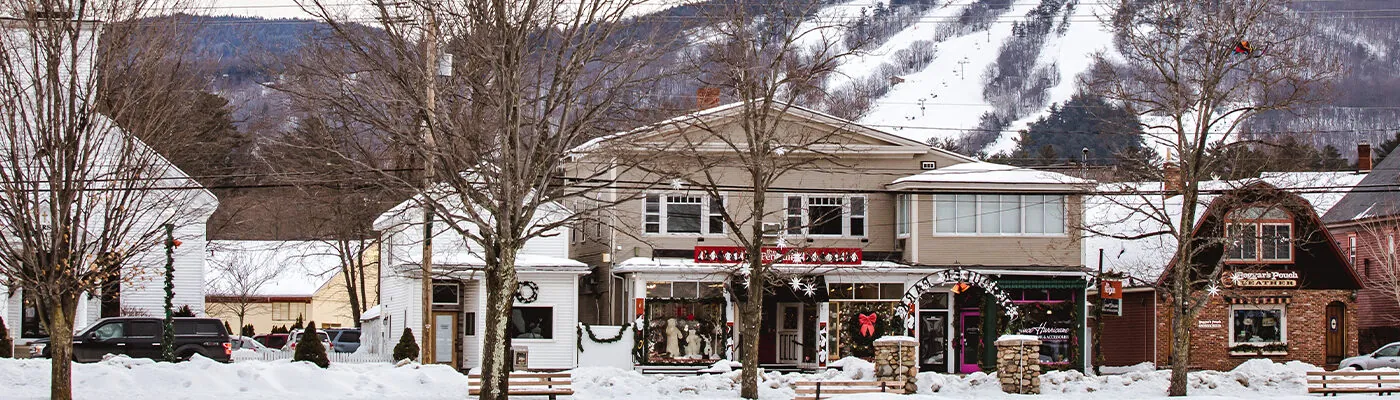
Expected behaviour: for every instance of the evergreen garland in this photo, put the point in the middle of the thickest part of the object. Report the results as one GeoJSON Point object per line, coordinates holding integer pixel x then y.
{"type": "Point", "coordinates": [583, 327]}
{"type": "Point", "coordinates": [167, 341]}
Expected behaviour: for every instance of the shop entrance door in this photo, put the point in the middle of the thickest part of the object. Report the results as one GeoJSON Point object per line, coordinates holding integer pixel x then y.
{"type": "Point", "coordinates": [933, 341]}
{"type": "Point", "coordinates": [789, 337]}
{"type": "Point", "coordinates": [445, 338]}
{"type": "Point", "coordinates": [970, 347]}
{"type": "Point", "coordinates": [1336, 332]}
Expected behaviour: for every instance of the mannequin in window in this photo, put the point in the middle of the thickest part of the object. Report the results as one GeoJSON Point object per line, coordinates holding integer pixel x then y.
{"type": "Point", "coordinates": [692, 340]}
{"type": "Point", "coordinates": [673, 338]}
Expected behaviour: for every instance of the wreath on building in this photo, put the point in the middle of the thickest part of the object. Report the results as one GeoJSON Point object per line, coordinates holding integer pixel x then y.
{"type": "Point", "coordinates": [863, 322]}
{"type": "Point", "coordinates": [527, 292]}
{"type": "Point", "coordinates": [586, 328]}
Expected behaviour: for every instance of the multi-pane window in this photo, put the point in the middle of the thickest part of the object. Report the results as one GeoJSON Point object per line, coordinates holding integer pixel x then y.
{"type": "Point", "coordinates": [865, 291]}
{"type": "Point", "coordinates": [999, 214]}
{"type": "Point", "coordinates": [284, 311]}
{"type": "Point", "coordinates": [684, 213]}
{"type": "Point", "coordinates": [825, 215]}
{"type": "Point", "coordinates": [1257, 234]}
{"type": "Point", "coordinates": [901, 212]}
{"type": "Point", "coordinates": [1257, 324]}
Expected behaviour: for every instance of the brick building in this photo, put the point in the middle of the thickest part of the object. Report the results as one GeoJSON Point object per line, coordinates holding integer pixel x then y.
{"type": "Point", "coordinates": [1364, 224]}
{"type": "Point", "coordinates": [1285, 290]}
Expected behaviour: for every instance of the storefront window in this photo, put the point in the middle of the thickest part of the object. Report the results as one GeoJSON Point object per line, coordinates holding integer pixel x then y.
{"type": "Point", "coordinates": [856, 325]}
{"type": "Point", "coordinates": [866, 291]}
{"type": "Point", "coordinates": [1256, 324]}
{"type": "Point", "coordinates": [685, 322]}
{"type": "Point", "coordinates": [531, 323]}
{"type": "Point", "coordinates": [31, 318]}
{"type": "Point", "coordinates": [1052, 316]}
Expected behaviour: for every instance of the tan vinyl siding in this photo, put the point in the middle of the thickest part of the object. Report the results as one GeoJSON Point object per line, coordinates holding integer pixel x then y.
{"type": "Point", "coordinates": [999, 250]}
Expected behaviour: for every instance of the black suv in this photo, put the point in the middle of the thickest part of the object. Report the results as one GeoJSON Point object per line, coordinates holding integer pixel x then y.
{"type": "Point", "coordinates": [139, 337]}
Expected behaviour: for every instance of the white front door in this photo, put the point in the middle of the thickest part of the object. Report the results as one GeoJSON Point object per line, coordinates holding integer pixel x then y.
{"type": "Point", "coordinates": [789, 333]}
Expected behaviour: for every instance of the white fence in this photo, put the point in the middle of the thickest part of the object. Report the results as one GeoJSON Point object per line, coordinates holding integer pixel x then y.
{"type": "Point", "coordinates": [351, 358]}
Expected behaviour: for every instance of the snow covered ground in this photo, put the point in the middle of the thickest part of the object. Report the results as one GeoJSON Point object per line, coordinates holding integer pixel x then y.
{"type": "Point", "coordinates": [121, 377]}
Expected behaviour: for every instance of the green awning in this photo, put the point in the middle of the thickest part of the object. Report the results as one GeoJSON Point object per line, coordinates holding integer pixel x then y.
{"type": "Point", "coordinates": [1041, 284]}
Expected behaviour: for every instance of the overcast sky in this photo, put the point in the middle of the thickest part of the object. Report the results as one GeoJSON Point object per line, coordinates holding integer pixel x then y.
{"type": "Point", "coordinates": [289, 9]}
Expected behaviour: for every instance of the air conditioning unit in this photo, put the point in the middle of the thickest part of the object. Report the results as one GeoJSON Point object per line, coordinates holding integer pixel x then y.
{"type": "Point", "coordinates": [772, 229]}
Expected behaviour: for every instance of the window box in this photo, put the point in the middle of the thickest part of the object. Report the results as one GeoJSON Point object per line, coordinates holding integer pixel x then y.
{"type": "Point", "coordinates": [1272, 349]}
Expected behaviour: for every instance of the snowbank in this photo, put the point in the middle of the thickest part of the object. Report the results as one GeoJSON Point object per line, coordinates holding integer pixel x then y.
{"type": "Point", "coordinates": [122, 377]}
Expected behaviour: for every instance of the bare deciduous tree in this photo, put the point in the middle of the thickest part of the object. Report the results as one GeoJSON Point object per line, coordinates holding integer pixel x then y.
{"type": "Point", "coordinates": [532, 80]}
{"type": "Point", "coordinates": [238, 281]}
{"type": "Point", "coordinates": [82, 200]}
{"type": "Point", "coordinates": [770, 67]}
{"type": "Point", "coordinates": [1177, 67]}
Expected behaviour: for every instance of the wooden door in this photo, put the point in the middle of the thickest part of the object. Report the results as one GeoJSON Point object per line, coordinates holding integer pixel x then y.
{"type": "Point", "coordinates": [789, 343]}
{"type": "Point", "coordinates": [1336, 328]}
{"type": "Point", "coordinates": [445, 338]}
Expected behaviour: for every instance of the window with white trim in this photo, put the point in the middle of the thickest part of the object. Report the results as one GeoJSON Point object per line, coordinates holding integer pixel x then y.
{"type": "Point", "coordinates": [999, 214]}
{"type": "Point", "coordinates": [824, 215]}
{"type": "Point", "coordinates": [683, 214]}
{"type": "Point", "coordinates": [1258, 324]}
{"type": "Point", "coordinates": [1259, 234]}
{"type": "Point", "coordinates": [901, 212]}
{"type": "Point", "coordinates": [1351, 249]}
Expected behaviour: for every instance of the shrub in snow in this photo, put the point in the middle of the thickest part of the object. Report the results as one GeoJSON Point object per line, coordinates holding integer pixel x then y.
{"type": "Point", "coordinates": [407, 349]}
{"type": "Point", "coordinates": [855, 369]}
{"type": "Point", "coordinates": [6, 347]}
{"type": "Point", "coordinates": [309, 348]}
{"type": "Point", "coordinates": [185, 311]}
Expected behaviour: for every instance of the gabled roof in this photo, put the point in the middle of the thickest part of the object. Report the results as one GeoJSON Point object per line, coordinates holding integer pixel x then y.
{"type": "Point", "coordinates": [1115, 211]}
{"type": "Point", "coordinates": [718, 115]}
{"type": "Point", "coordinates": [985, 175]}
{"type": "Point", "coordinates": [1378, 195]}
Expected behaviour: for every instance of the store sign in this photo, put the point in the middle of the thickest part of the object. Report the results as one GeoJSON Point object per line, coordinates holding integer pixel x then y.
{"type": "Point", "coordinates": [1111, 297]}
{"type": "Point", "coordinates": [1210, 324]}
{"type": "Point", "coordinates": [1260, 279]}
{"type": "Point", "coordinates": [780, 255]}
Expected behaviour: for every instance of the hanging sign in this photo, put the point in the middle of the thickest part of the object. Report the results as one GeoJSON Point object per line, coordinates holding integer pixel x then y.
{"type": "Point", "coordinates": [780, 255]}
{"type": "Point", "coordinates": [1111, 297]}
{"type": "Point", "coordinates": [1259, 279]}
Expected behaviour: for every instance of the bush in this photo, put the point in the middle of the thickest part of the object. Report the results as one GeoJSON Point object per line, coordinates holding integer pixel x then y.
{"type": "Point", "coordinates": [309, 348]}
{"type": "Point", "coordinates": [248, 330]}
{"type": "Point", "coordinates": [407, 349]}
{"type": "Point", "coordinates": [184, 311]}
{"type": "Point", "coordinates": [6, 346]}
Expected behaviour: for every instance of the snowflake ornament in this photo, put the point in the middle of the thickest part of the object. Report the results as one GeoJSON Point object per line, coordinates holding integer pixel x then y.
{"type": "Point", "coordinates": [1213, 290]}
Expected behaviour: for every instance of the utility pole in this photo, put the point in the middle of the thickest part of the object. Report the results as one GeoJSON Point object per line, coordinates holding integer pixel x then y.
{"type": "Point", "coordinates": [962, 68]}
{"type": "Point", "coordinates": [430, 71]}
{"type": "Point", "coordinates": [1098, 319]}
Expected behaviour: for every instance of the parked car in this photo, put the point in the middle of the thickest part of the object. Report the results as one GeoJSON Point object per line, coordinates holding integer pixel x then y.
{"type": "Point", "coordinates": [1386, 356]}
{"type": "Point", "coordinates": [272, 340]}
{"type": "Point", "coordinates": [344, 340]}
{"type": "Point", "coordinates": [247, 343]}
{"type": "Point", "coordinates": [295, 336]}
{"type": "Point", "coordinates": [140, 337]}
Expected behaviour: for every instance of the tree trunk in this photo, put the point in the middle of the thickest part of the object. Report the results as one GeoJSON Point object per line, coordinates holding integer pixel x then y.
{"type": "Point", "coordinates": [1181, 350]}
{"type": "Point", "coordinates": [60, 326]}
{"type": "Point", "coordinates": [750, 324]}
{"type": "Point", "coordinates": [500, 296]}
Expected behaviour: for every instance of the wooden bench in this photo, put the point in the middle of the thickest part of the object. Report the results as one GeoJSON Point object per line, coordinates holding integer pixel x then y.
{"type": "Point", "coordinates": [529, 384]}
{"type": "Point", "coordinates": [817, 390]}
{"type": "Point", "coordinates": [1381, 383]}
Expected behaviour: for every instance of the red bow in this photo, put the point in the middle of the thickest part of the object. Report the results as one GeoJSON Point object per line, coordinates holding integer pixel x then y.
{"type": "Point", "coordinates": [867, 324]}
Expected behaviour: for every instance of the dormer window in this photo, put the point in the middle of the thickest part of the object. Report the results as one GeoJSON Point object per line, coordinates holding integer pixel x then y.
{"type": "Point", "coordinates": [1259, 234]}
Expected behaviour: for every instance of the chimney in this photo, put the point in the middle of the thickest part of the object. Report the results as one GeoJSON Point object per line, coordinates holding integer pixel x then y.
{"type": "Point", "coordinates": [706, 97]}
{"type": "Point", "coordinates": [1363, 156]}
{"type": "Point", "coordinates": [1171, 178]}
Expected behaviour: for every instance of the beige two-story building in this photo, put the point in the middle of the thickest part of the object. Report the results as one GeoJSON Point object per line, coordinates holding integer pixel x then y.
{"type": "Point", "coordinates": [872, 234]}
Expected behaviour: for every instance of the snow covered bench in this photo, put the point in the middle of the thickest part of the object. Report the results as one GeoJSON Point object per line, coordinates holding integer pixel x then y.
{"type": "Point", "coordinates": [817, 390]}
{"type": "Point", "coordinates": [529, 384]}
{"type": "Point", "coordinates": [1379, 382]}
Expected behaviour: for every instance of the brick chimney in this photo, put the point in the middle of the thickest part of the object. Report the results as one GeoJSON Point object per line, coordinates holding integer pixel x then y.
{"type": "Point", "coordinates": [706, 97]}
{"type": "Point", "coordinates": [1171, 178]}
{"type": "Point", "coordinates": [1363, 156]}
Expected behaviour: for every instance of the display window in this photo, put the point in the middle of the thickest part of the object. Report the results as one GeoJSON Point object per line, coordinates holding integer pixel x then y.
{"type": "Point", "coordinates": [684, 322]}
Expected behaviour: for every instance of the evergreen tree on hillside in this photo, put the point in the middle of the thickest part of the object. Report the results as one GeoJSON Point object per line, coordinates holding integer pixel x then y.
{"type": "Point", "coordinates": [1386, 147]}
{"type": "Point", "coordinates": [1085, 121]}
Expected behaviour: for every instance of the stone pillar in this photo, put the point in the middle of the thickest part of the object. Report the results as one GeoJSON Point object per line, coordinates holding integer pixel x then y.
{"type": "Point", "coordinates": [896, 359]}
{"type": "Point", "coordinates": [1018, 364]}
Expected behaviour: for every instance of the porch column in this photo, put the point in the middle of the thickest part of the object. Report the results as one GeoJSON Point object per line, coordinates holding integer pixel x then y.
{"type": "Point", "coordinates": [823, 328]}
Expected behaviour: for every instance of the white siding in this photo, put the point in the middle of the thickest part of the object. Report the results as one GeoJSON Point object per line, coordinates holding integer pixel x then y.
{"type": "Point", "coordinates": [471, 345]}
{"type": "Point", "coordinates": [557, 290]}
{"type": "Point", "coordinates": [146, 290]}
{"type": "Point", "coordinates": [553, 246]}
{"type": "Point", "coordinates": [400, 295]}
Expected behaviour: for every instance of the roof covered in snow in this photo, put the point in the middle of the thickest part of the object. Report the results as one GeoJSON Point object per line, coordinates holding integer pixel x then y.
{"type": "Point", "coordinates": [973, 173]}
{"type": "Point", "coordinates": [1376, 196]}
{"type": "Point", "coordinates": [1138, 210]}
{"type": "Point", "coordinates": [284, 268]}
